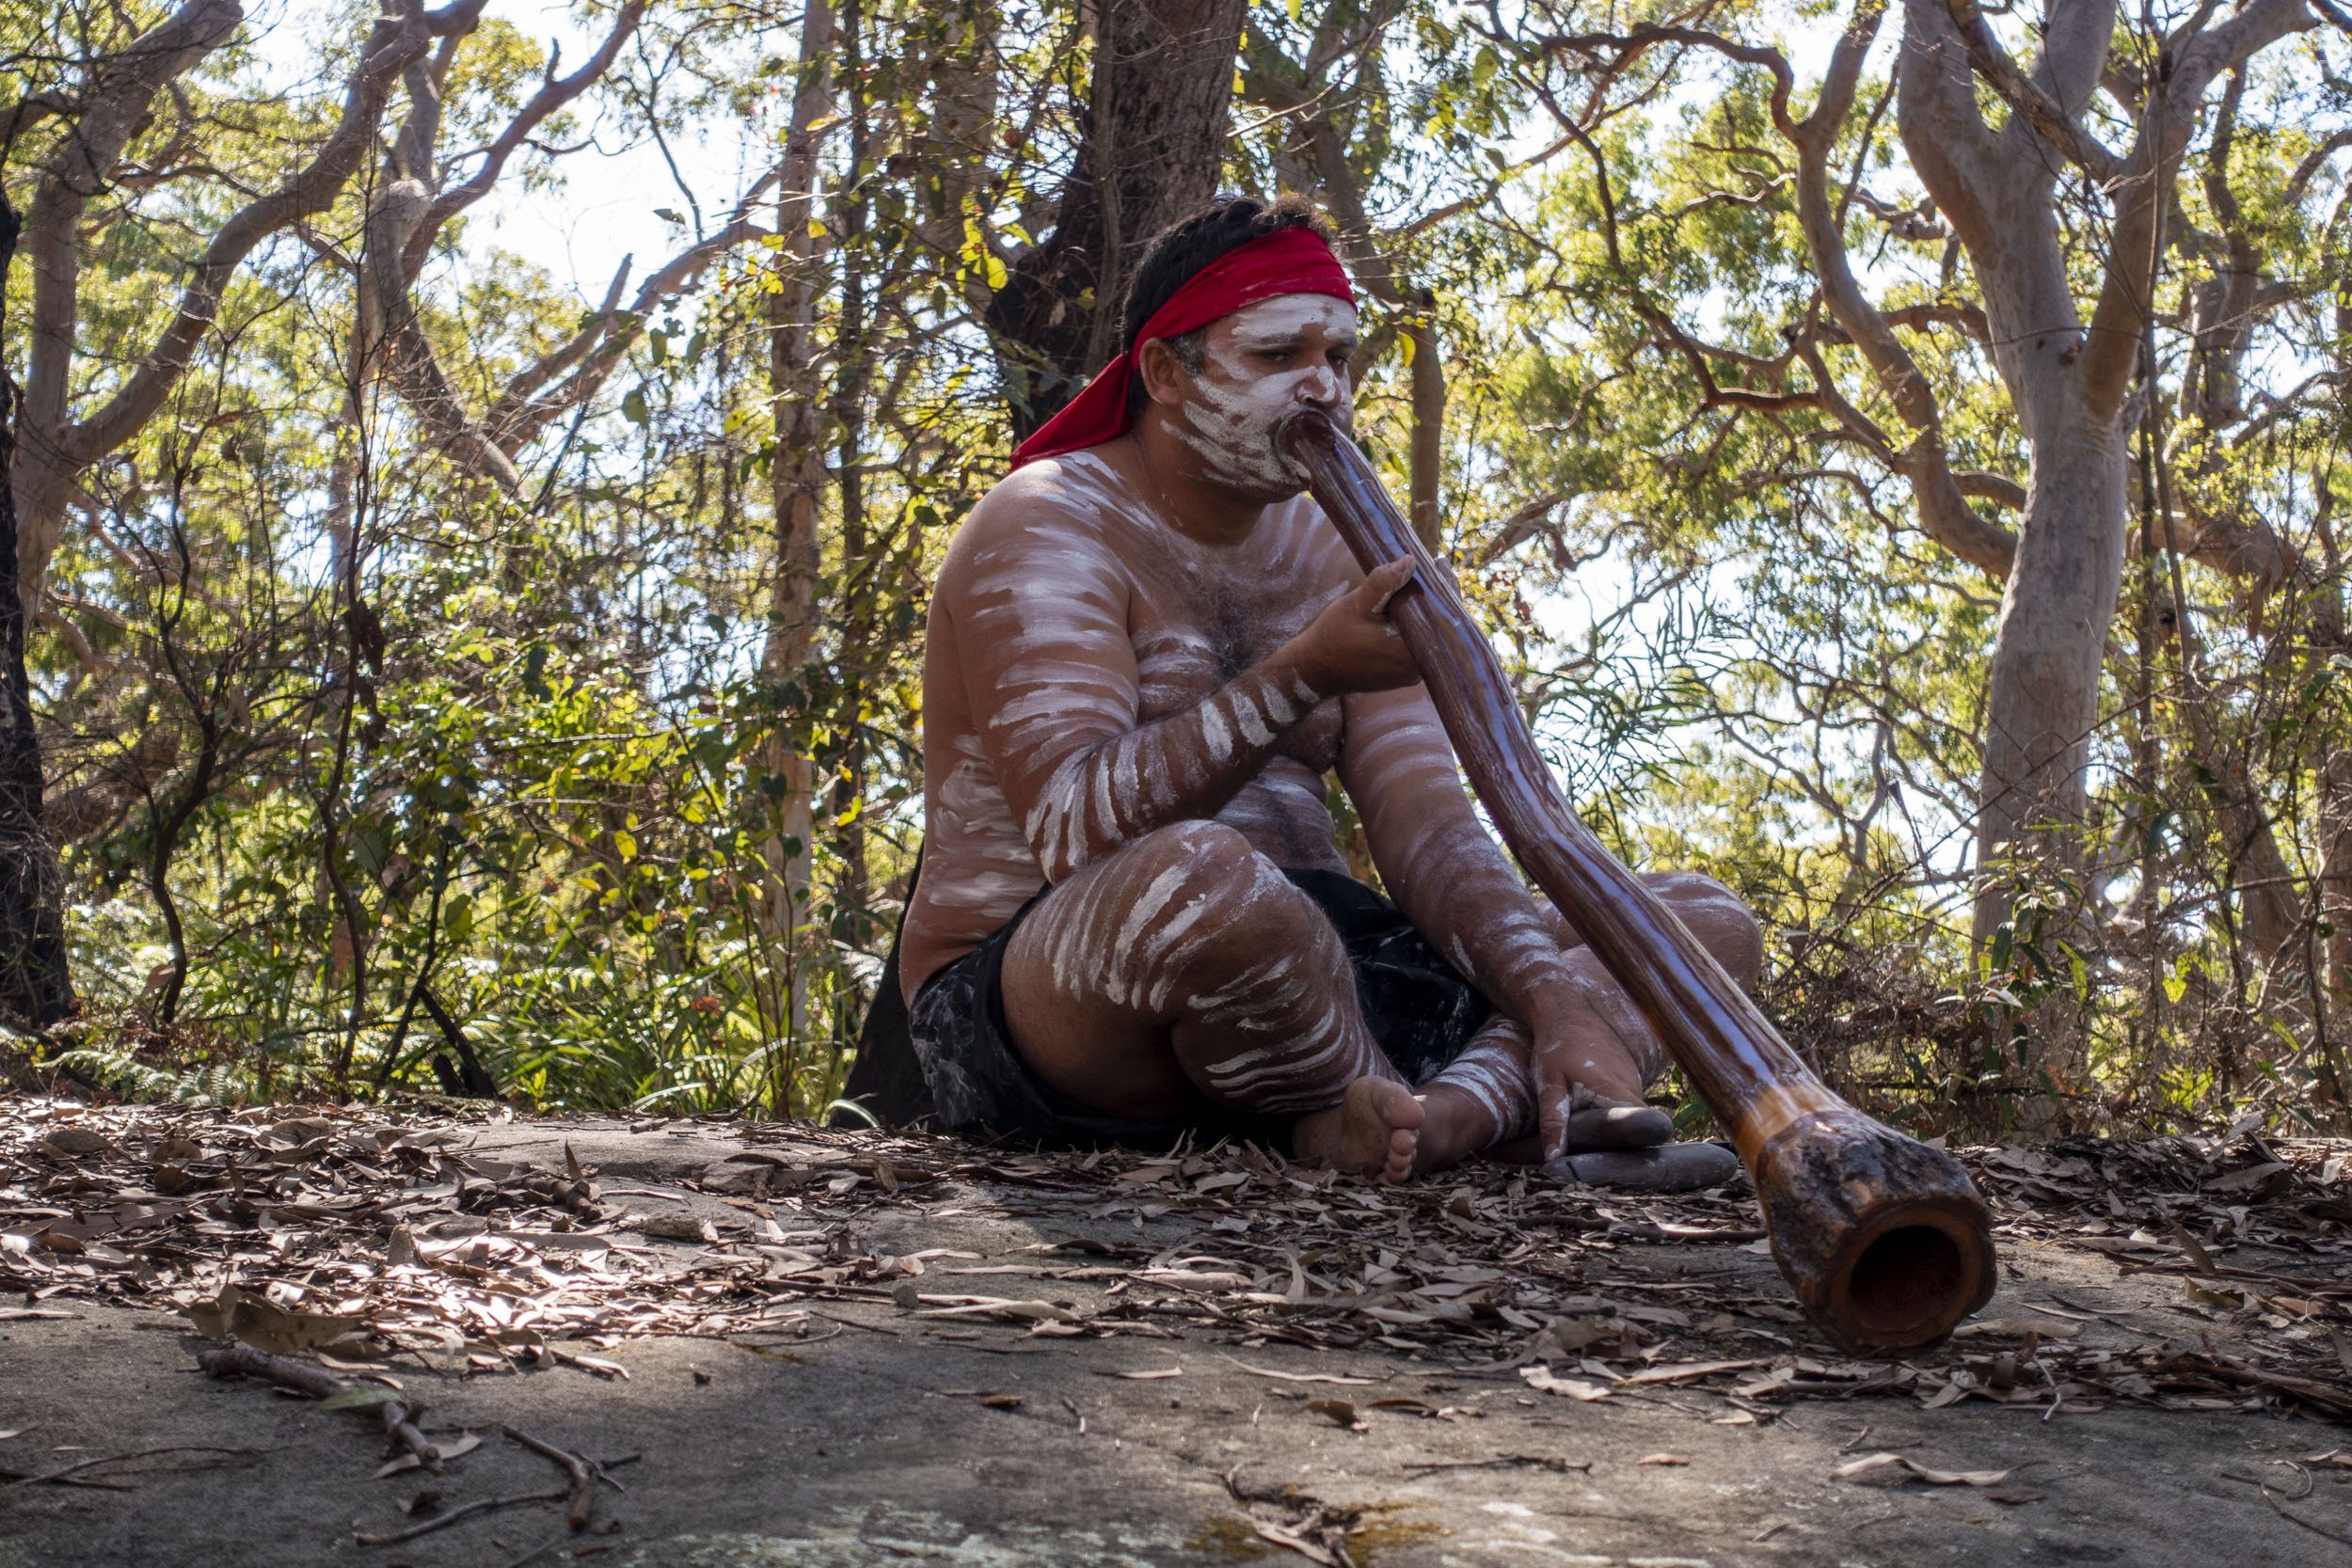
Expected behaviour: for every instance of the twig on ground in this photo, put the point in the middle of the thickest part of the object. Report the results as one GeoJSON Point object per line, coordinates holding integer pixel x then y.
{"type": "Point", "coordinates": [19, 1477]}
{"type": "Point", "coordinates": [320, 1384]}
{"type": "Point", "coordinates": [542, 1549]}
{"type": "Point", "coordinates": [2281, 1510]}
{"type": "Point", "coordinates": [443, 1521]}
{"type": "Point", "coordinates": [1339, 1378]}
{"type": "Point", "coordinates": [60, 1475]}
{"type": "Point", "coordinates": [603, 1466]}
{"type": "Point", "coordinates": [583, 1474]}
{"type": "Point", "coordinates": [1543, 1461]}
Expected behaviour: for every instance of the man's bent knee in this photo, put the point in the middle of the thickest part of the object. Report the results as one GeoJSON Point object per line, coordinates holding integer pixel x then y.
{"type": "Point", "coordinates": [1185, 903]}
{"type": "Point", "coordinates": [1720, 918]}
{"type": "Point", "coordinates": [1199, 849]}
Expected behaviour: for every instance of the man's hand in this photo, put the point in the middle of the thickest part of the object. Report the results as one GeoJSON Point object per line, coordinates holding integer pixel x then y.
{"type": "Point", "coordinates": [1588, 1092]}
{"type": "Point", "coordinates": [1353, 645]}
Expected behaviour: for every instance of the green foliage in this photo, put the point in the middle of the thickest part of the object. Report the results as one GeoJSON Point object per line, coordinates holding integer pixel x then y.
{"type": "Point", "coordinates": [360, 757]}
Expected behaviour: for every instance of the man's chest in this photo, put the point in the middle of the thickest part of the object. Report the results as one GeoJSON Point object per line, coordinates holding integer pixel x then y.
{"type": "Point", "coordinates": [1195, 632]}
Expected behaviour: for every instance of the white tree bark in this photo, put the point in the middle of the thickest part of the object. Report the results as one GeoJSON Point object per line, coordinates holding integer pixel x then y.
{"type": "Point", "coordinates": [2067, 382]}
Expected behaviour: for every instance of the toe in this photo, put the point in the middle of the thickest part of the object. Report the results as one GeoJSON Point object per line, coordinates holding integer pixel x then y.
{"type": "Point", "coordinates": [1403, 1144]}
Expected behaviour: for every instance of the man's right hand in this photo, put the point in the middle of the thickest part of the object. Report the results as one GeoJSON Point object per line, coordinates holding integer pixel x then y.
{"type": "Point", "coordinates": [1353, 645]}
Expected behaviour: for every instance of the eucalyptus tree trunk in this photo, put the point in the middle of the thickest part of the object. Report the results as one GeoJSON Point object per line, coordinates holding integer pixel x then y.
{"type": "Point", "coordinates": [2068, 379]}
{"type": "Point", "coordinates": [36, 988]}
{"type": "Point", "coordinates": [1151, 143]}
{"type": "Point", "coordinates": [798, 479]}
{"type": "Point", "coordinates": [2043, 690]}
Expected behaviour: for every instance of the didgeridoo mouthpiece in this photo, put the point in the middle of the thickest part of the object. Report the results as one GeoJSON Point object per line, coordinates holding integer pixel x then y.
{"type": "Point", "coordinates": [1885, 1241]}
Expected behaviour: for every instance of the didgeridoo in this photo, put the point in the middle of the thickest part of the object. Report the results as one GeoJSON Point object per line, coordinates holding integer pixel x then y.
{"type": "Point", "coordinates": [1885, 1240]}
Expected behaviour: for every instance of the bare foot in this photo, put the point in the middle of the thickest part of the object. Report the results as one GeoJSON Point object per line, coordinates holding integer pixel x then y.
{"type": "Point", "coordinates": [1373, 1131]}
{"type": "Point", "coordinates": [1454, 1126]}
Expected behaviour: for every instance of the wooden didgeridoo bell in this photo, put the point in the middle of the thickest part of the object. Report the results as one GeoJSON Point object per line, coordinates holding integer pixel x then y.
{"type": "Point", "coordinates": [1885, 1240]}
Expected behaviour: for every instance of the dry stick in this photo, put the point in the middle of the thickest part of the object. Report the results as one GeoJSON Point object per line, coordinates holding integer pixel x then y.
{"type": "Point", "coordinates": [320, 1384]}
{"type": "Point", "coordinates": [443, 1521]}
{"type": "Point", "coordinates": [604, 1467]}
{"type": "Point", "coordinates": [583, 1475]}
{"type": "Point", "coordinates": [853, 1323]}
{"type": "Point", "coordinates": [16, 1478]}
{"type": "Point", "coordinates": [117, 1458]}
{"type": "Point", "coordinates": [1543, 1461]}
{"type": "Point", "coordinates": [2281, 1510]}
{"type": "Point", "coordinates": [485, 1505]}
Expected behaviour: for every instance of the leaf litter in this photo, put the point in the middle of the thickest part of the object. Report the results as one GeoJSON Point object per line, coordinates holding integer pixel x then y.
{"type": "Point", "coordinates": [353, 1232]}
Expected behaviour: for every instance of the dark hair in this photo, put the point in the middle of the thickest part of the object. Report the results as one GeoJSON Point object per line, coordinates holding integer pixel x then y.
{"type": "Point", "coordinates": [1178, 251]}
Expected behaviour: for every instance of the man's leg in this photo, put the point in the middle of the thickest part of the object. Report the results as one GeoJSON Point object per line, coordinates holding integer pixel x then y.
{"type": "Point", "coordinates": [1483, 1098]}
{"type": "Point", "coordinates": [1615, 1052]}
{"type": "Point", "coordinates": [1186, 968]}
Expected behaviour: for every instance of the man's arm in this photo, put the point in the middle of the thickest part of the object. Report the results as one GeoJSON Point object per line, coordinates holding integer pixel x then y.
{"type": "Point", "coordinates": [1441, 865]}
{"type": "Point", "coordinates": [1041, 609]}
{"type": "Point", "coordinates": [1453, 881]}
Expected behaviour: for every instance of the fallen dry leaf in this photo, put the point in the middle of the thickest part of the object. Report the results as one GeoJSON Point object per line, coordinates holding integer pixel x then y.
{"type": "Point", "coordinates": [1339, 1413]}
{"type": "Point", "coordinates": [1872, 1464]}
{"type": "Point", "coordinates": [400, 1248]}
{"type": "Point", "coordinates": [255, 1319]}
{"type": "Point", "coordinates": [449, 1448]}
{"type": "Point", "coordinates": [1540, 1378]}
{"type": "Point", "coordinates": [476, 1254]}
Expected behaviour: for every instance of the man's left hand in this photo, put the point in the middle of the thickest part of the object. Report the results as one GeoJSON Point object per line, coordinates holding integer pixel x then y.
{"type": "Point", "coordinates": [1588, 1092]}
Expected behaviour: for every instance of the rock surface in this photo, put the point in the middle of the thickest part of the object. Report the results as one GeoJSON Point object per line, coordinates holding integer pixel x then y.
{"type": "Point", "coordinates": [1035, 1414]}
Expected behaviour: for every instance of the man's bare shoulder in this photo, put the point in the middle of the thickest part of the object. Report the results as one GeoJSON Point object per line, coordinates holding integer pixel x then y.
{"type": "Point", "coordinates": [1055, 516]}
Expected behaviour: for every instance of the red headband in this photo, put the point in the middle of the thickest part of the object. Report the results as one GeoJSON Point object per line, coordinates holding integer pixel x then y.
{"type": "Point", "coordinates": [1294, 260]}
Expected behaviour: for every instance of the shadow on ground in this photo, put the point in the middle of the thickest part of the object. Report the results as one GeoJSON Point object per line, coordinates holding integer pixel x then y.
{"type": "Point", "coordinates": [965, 1357]}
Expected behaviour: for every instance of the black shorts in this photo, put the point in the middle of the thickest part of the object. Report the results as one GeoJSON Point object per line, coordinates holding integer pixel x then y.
{"type": "Point", "coordinates": [1421, 1011]}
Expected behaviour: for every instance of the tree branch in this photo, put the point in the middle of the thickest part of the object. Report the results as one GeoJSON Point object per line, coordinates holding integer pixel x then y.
{"type": "Point", "coordinates": [517, 418]}
{"type": "Point", "coordinates": [415, 370]}
{"type": "Point", "coordinates": [552, 95]}
{"type": "Point", "coordinates": [1944, 510]}
{"type": "Point", "coordinates": [2023, 95]}
{"type": "Point", "coordinates": [29, 111]}
{"type": "Point", "coordinates": [1963, 167]}
{"type": "Point", "coordinates": [1631, 46]}
{"type": "Point", "coordinates": [2313, 161]}
{"type": "Point", "coordinates": [2143, 185]}
{"type": "Point", "coordinates": [394, 41]}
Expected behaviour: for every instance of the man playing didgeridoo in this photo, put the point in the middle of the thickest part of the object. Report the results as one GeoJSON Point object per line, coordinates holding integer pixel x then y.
{"type": "Point", "coordinates": [1146, 647]}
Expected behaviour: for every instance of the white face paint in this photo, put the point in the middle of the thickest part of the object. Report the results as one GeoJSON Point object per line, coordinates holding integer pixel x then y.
{"type": "Point", "coordinates": [1237, 403]}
